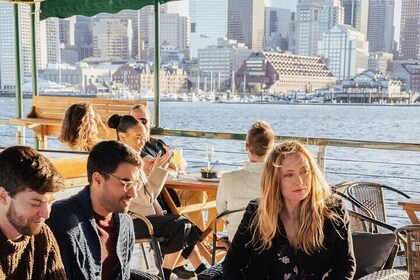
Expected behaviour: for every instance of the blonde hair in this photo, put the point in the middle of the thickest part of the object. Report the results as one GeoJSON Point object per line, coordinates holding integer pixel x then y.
{"type": "Point", "coordinates": [313, 209]}
{"type": "Point", "coordinates": [78, 128]}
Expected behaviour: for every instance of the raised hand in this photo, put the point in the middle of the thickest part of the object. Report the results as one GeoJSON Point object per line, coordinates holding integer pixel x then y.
{"type": "Point", "coordinates": [163, 161]}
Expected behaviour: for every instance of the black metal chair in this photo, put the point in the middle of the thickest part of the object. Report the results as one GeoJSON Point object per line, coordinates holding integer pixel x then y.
{"type": "Point", "coordinates": [153, 240]}
{"type": "Point", "coordinates": [212, 228]}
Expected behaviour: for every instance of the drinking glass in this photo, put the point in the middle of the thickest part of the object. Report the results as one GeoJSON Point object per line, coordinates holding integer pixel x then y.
{"type": "Point", "coordinates": [177, 161]}
{"type": "Point", "coordinates": [209, 155]}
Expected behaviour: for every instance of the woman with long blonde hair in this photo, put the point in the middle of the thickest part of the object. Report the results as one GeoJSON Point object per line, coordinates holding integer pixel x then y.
{"type": "Point", "coordinates": [79, 130]}
{"type": "Point", "coordinates": [297, 229]}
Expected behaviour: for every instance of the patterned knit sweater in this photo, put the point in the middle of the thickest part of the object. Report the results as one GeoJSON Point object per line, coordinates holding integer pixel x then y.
{"type": "Point", "coordinates": [34, 257]}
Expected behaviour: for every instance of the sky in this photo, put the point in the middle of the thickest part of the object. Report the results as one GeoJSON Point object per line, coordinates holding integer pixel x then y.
{"type": "Point", "coordinates": [182, 8]}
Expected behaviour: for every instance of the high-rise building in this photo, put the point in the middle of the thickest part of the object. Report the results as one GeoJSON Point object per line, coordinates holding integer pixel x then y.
{"type": "Point", "coordinates": [49, 36]}
{"type": "Point", "coordinates": [7, 45]}
{"type": "Point", "coordinates": [331, 13]}
{"type": "Point", "coordinates": [356, 14]}
{"type": "Point", "coordinates": [246, 22]}
{"type": "Point", "coordinates": [284, 4]}
{"type": "Point", "coordinates": [208, 23]}
{"type": "Point", "coordinates": [174, 31]}
{"type": "Point", "coordinates": [307, 25]}
{"type": "Point", "coordinates": [381, 26]}
{"type": "Point", "coordinates": [276, 28]}
{"type": "Point", "coordinates": [83, 36]}
{"type": "Point", "coordinates": [112, 38]}
{"type": "Point", "coordinates": [345, 51]}
{"type": "Point", "coordinates": [410, 29]}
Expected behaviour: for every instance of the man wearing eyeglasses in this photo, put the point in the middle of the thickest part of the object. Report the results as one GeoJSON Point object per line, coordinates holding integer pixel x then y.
{"type": "Point", "coordinates": [92, 228]}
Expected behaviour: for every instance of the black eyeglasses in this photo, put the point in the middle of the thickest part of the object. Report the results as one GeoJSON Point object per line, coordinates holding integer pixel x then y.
{"type": "Point", "coordinates": [128, 184]}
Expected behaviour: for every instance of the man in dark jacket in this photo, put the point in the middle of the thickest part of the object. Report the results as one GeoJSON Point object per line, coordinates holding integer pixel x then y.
{"type": "Point", "coordinates": [93, 229]}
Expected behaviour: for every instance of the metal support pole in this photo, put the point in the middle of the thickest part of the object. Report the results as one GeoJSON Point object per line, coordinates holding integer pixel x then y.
{"type": "Point", "coordinates": [157, 63]}
{"type": "Point", "coordinates": [34, 39]}
{"type": "Point", "coordinates": [18, 57]}
{"type": "Point", "coordinates": [321, 158]}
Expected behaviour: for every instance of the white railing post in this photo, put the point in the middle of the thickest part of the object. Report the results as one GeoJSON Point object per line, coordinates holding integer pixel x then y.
{"type": "Point", "coordinates": [322, 157]}
{"type": "Point", "coordinates": [20, 136]}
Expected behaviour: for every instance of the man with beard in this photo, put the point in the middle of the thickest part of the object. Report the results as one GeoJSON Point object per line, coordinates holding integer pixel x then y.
{"type": "Point", "coordinates": [28, 183]}
{"type": "Point", "coordinates": [93, 229]}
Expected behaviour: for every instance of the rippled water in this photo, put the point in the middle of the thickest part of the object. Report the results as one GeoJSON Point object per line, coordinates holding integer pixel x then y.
{"type": "Point", "coordinates": [373, 123]}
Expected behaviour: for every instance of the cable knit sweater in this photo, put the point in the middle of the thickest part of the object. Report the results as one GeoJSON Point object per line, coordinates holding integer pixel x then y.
{"type": "Point", "coordinates": [34, 257]}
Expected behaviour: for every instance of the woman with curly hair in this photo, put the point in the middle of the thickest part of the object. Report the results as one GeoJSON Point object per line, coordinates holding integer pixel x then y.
{"type": "Point", "coordinates": [79, 130]}
{"type": "Point", "coordinates": [296, 229]}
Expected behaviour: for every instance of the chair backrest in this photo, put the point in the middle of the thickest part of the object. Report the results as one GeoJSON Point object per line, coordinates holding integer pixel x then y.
{"type": "Point", "coordinates": [357, 220]}
{"type": "Point", "coordinates": [371, 196]}
{"type": "Point", "coordinates": [412, 250]}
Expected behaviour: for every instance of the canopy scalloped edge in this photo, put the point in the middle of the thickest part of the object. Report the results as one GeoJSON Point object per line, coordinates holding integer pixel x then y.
{"type": "Point", "coordinates": [68, 8]}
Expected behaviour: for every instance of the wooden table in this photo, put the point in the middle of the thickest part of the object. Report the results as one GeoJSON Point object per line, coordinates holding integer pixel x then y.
{"type": "Point", "coordinates": [192, 183]}
{"type": "Point", "coordinates": [71, 165]}
{"type": "Point", "coordinates": [411, 206]}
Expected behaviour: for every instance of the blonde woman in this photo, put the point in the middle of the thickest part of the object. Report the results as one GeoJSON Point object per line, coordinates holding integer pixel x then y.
{"type": "Point", "coordinates": [296, 230]}
{"type": "Point", "coordinates": [79, 130]}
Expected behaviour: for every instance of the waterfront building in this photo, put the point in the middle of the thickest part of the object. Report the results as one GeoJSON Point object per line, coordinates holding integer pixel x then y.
{"type": "Point", "coordinates": [95, 88]}
{"type": "Point", "coordinates": [356, 14]}
{"type": "Point", "coordinates": [7, 45]}
{"type": "Point", "coordinates": [276, 28]}
{"type": "Point", "coordinates": [140, 78]}
{"type": "Point", "coordinates": [380, 32]}
{"type": "Point", "coordinates": [80, 75]}
{"type": "Point", "coordinates": [379, 61]}
{"type": "Point", "coordinates": [246, 22]}
{"type": "Point", "coordinates": [410, 29]}
{"type": "Point", "coordinates": [171, 55]}
{"type": "Point", "coordinates": [345, 51]}
{"type": "Point", "coordinates": [208, 23]}
{"type": "Point", "coordinates": [217, 62]}
{"type": "Point", "coordinates": [307, 27]}
{"type": "Point", "coordinates": [370, 86]}
{"type": "Point", "coordinates": [409, 73]}
{"type": "Point", "coordinates": [111, 38]}
{"type": "Point", "coordinates": [330, 14]}
{"type": "Point", "coordinates": [280, 72]}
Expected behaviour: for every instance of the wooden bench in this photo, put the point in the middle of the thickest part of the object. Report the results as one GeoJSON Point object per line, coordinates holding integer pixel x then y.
{"type": "Point", "coordinates": [47, 114]}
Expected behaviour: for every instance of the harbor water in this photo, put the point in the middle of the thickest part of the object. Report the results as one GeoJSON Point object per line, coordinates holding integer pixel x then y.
{"type": "Point", "coordinates": [400, 169]}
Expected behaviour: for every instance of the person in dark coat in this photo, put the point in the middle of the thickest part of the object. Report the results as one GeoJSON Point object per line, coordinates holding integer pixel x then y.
{"type": "Point", "coordinates": [296, 230]}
